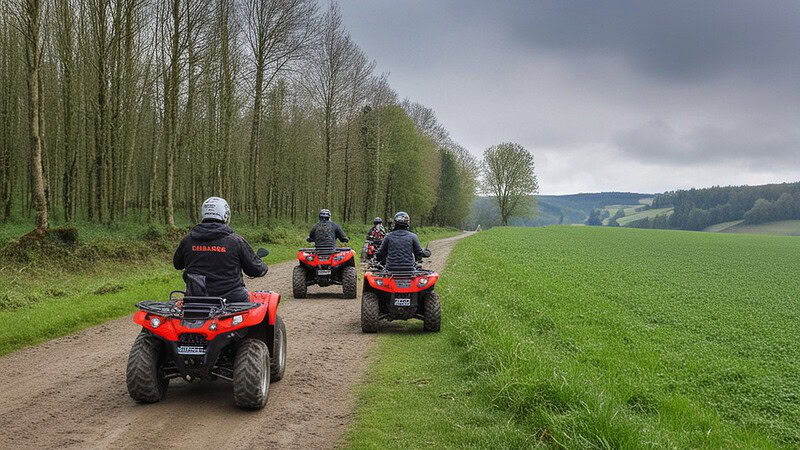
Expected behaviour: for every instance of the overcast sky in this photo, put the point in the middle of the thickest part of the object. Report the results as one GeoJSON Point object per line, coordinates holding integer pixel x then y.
{"type": "Point", "coordinates": [637, 95]}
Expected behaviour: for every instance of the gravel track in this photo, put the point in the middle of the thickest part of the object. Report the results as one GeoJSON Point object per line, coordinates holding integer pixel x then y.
{"type": "Point", "coordinates": [70, 392]}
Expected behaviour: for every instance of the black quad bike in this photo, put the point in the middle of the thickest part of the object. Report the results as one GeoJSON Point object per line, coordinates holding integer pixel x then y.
{"type": "Point", "coordinates": [323, 268]}
{"type": "Point", "coordinates": [208, 338]}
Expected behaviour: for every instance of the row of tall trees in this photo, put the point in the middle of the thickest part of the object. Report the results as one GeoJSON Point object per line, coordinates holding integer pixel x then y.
{"type": "Point", "coordinates": [114, 110]}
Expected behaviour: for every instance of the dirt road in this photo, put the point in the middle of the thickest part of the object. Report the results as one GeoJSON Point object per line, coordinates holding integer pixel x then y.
{"type": "Point", "coordinates": [70, 392]}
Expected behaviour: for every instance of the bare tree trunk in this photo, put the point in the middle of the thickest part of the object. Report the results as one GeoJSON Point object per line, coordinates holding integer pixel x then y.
{"type": "Point", "coordinates": [31, 17]}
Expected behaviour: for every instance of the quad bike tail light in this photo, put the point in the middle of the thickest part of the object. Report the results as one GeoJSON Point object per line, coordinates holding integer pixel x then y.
{"type": "Point", "coordinates": [237, 320]}
{"type": "Point", "coordinates": [379, 281]}
{"type": "Point", "coordinates": [309, 257]}
{"type": "Point", "coordinates": [422, 282]}
{"type": "Point", "coordinates": [155, 322]}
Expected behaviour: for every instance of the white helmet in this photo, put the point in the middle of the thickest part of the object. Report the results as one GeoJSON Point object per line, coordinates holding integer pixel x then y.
{"type": "Point", "coordinates": [216, 208]}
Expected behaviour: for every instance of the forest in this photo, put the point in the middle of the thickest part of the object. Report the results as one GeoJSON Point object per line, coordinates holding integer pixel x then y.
{"type": "Point", "coordinates": [696, 209]}
{"type": "Point", "coordinates": [137, 110]}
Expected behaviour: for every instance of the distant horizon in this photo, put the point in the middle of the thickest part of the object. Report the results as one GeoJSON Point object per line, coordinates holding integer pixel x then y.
{"type": "Point", "coordinates": [665, 190]}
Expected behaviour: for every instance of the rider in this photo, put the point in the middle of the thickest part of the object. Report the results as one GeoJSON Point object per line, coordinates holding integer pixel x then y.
{"type": "Point", "coordinates": [377, 232]}
{"type": "Point", "coordinates": [401, 248]}
{"type": "Point", "coordinates": [325, 232]}
{"type": "Point", "coordinates": [213, 257]}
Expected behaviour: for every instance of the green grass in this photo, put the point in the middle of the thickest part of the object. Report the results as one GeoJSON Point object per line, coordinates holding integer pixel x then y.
{"type": "Point", "coordinates": [779, 228]}
{"type": "Point", "coordinates": [719, 227]}
{"type": "Point", "coordinates": [57, 289]}
{"type": "Point", "coordinates": [586, 337]}
{"type": "Point", "coordinates": [641, 215]}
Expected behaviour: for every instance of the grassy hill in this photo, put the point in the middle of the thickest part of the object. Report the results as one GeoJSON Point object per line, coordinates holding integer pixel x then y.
{"type": "Point", "coordinates": [556, 209]}
{"type": "Point", "coordinates": [598, 337]}
{"type": "Point", "coordinates": [779, 228]}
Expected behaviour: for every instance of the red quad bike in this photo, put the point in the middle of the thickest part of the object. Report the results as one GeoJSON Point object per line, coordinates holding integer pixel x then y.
{"type": "Point", "coordinates": [400, 296]}
{"type": "Point", "coordinates": [206, 338]}
{"type": "Point", "coordinates": [324, 268]}
{"type": "Point", "coordinates": [369, 249]}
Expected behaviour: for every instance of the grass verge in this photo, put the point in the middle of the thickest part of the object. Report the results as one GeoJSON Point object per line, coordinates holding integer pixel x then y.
{"type": "Point", "coordinates": [582, 337]}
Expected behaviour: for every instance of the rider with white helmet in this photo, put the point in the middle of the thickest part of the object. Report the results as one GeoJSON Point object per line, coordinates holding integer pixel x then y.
{"type": "Point", "coordinates": [213, 257]}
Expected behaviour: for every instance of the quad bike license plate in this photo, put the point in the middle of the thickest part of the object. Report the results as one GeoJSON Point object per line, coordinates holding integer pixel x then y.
{"type": "Point", "coordinates": [402, 301]}
{"type": "Point", "coordinates": [323, 272]}
{"type": "Point", "coordinates": [191, 350]}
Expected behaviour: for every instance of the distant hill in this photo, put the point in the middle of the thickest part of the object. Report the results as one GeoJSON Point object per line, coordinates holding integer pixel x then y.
{"type": "Point", "coordinates": [554, 209]}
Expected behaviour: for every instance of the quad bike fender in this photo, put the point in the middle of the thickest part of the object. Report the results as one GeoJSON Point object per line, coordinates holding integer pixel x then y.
{"type": "Point", "coordinates": [386, 284]}
{"type": "Point", "coordinates": [271, 300]}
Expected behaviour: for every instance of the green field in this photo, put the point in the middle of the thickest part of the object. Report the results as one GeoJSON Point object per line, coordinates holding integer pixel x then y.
{"type": "Point", "coordinates": [716, 228]}
{"type": "Point", "coordinates": [588, 337]}
{"type": "Point", "coordinates": [641, 215]}
{"type": "Point", "coordinates": [780, 228]}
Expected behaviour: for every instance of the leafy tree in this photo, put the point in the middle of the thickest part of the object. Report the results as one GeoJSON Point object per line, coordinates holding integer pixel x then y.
{"type": "Point", "coordinates": [509, 176]}
{"type": "Point", "coordinates": [762, 211]}
{"type": "Point", "coordinates": [594, 218]}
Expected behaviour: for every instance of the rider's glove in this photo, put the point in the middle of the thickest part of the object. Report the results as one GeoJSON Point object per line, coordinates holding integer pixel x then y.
{"type": "Point", "coordinates": [345, 240]}
{"type": "Point", "coordinates": [426, 253]}
{"type": "Point", "coordinates": [308, 239]}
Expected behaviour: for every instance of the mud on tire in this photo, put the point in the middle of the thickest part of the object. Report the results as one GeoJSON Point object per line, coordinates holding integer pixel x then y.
{"type": "Point", "coordinates": [277, 361]}
{"type": "Point", "coordinates": [369, 312]}
{"type": "Point", "coordinates": [349, 282]}
{"type": "Point", "coordinates": [145, 381]}
{"type": "Point", "coordinates": [251, 373]}
{"type": "Point", "coordinates": [433, 312]}
{"type": "Point", "coordinates": [299, 288]}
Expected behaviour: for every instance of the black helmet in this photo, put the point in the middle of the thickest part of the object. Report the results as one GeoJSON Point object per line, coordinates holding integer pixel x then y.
{"type": "Point", "coordinates": [324, 214]}
{"type": "Point", "coordinates": [377, 221]}
{"type": "Point", "coordinates": [401, 219]}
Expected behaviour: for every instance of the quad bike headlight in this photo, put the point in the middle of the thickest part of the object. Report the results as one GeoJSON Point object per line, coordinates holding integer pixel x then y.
{"type": "Point", "coordinates": [237, 320]}
{"type": "Point", "coordinates": [155, 322]}
{"type": "Point", "coordinates": [422, 282]}
{"type": "Point", "coordinates": [379, 281]}
{"type": "Point", "coordinates": [309, 258]}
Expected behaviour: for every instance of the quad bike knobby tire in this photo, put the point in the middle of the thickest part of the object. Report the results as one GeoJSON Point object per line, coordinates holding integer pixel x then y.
{"type": "Point", "coordinates": [349, 282]}
{"type": "Point", "coordinates": [143, 376]}
{"type": "Point", "coordinates": [433, 312]}
{"type": "Point", "coordinates": [251, 371]}
{"type": "Point", "coordinates": [369, 312]}
{"type": "Point", "coordinates": [277, 361]}
{"type": "Point", "coordinates": [299, 288]}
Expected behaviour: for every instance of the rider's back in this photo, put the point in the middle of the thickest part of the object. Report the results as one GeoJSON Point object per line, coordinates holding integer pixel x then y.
{"type": "Point", "coordinates": [213, 250]}
{"type": "Point", "coordinates": [400, 249]}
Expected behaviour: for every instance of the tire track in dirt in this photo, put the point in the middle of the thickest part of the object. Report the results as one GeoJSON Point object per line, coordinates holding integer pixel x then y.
{"type": "Point", "coordinates": [70, 392]}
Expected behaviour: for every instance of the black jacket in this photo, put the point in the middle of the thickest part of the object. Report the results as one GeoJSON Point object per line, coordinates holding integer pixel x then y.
{"type": "Point", "coordinates": [216, 252]}
{"type": "Point", "coordinates": [324, 234]}
{"type": "Point", "coordinates": [400, 251]}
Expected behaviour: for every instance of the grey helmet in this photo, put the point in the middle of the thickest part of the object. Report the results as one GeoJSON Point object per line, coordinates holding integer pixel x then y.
{"type": "Point", "coordinates": [216, 208]}
{"type": "Point", "coordinates": [324, 214]}
{"type": "Point", "coordinates": [401, 219]}
{"type": "Point", "coordinates": [377, 221]}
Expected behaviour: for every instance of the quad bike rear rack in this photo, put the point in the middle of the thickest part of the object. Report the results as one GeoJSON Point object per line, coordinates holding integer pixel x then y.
{"type": "Point", "coordinates": [194, 307]}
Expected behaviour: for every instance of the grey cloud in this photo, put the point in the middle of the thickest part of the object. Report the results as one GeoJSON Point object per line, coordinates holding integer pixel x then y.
{"type": "Point", "coordinates": [679, 40]}
{"type": "Point", "coordinates": [657, 142]}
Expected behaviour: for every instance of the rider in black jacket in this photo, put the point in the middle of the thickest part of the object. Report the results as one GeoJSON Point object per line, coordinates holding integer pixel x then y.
{"type": "Point", "coordinates": [324, 233]}
{"type": "Point", "coordinates": [401, 248]}
{"type": "Point", "coordinates": [213, 257]}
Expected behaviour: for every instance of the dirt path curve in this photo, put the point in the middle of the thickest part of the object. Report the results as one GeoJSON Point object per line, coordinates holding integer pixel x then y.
{"type": "Point", "coordinates": [70, 392]}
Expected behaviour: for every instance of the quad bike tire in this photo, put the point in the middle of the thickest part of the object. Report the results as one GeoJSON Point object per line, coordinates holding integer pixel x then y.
{"type": "Point", "coordinates": [350, 282]}
{"type": "Point", "coordinates": [277, 361]}
{"type": "Point", "coordinates": [299, 288]}
{"type": "Point", "coordinates": [433, 312]}
{"type": "Point", "coordinates": [369, 312]}
{"type": "Point", "coordinates": [251, 374]}
{"type": "Point", "coordinates": [143, 376]}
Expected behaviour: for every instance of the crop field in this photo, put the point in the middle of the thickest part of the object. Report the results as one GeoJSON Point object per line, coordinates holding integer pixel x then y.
{"type": "Point", "coordinates": [641, 215]}
{"type": "Point", "coordinates": [588, 337]}
{"type": "Point", "coordinates": [779, 228]}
